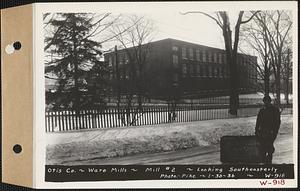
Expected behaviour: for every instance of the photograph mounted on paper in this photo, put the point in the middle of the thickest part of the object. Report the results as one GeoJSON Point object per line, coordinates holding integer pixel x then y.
{"type": "Point", "coordinates": [208, 94]}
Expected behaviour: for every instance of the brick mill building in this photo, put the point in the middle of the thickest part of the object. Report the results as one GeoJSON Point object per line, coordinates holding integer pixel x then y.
{"type": "Point", "coordinates": [175, 67]}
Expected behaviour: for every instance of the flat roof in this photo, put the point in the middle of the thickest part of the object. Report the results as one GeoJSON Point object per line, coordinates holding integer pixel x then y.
{"type": "Point", "coordinates": [185, 42]}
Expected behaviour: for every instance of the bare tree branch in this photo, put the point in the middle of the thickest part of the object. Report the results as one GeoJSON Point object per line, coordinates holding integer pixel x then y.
{"type": "Point", "coordinates": [215, 19]}
{"type": "Point", "coordinates": [253, 15]}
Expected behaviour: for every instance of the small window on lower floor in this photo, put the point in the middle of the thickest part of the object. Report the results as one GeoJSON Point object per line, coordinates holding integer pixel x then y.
{"type": "Point", "coordinates": [184, 70]}
{"type": "Point", "coordinates": [226, 74]}
{"type": "Point", "coordinates": [195, 70]}
{"type": "Point", "coordinates": [183, 52]}
{"type": "Point", "coordinates": [206, 71]}
{"type": "Point", "coordinates": [198, 69]}
{"type": "Point", "coordinates": [175, 77]}
{"type": "Point", "coordinates": [175, 61]}
{"type": "Point", "coordinates": [191, 69]}
{"type": "Point", "coordinates": [221, 72]}
{"type": "Point", "coordinates": [210, 74]}
{"type": "Point", "coordinates": [203, 72]}
{"type": "Point", "coordinates": [216, 72]}
{"type": "Point", "coordinates": [127, 74]}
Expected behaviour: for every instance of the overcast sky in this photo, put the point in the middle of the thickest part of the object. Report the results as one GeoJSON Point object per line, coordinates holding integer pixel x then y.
{"type": "Point", "coordinates": [170, 23]}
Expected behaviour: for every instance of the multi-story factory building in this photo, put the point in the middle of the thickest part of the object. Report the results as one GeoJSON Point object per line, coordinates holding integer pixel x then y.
{"type": "Point", "coordinates": [177, 67]}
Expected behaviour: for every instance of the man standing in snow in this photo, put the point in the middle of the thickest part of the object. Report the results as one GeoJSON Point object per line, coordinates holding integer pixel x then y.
{"type": "Point", "coordinates": [266, 129]}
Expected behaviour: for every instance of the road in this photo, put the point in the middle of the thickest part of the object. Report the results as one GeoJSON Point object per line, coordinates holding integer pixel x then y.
{"type": "Point", "coordinates": [196, 155]}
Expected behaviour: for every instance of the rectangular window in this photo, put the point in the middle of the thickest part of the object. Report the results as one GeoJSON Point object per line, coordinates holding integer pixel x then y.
{"type": "Point", "coordinates": [110, 61]}
{"type": "Point", "coordinates": [175, 61]}
{"type": "Point", "coordinates": [184, 69]}
{"type": "Point", "coordinates": [121, 59]}
{"type": "Point", "coordinates": [198, 55]}
{"type": "Point", "coordinates": [206, 71]}
{"type": "Point", "coordinates": [198, 69]}
{"type": "Point", "coordinates": [221, 72]}
{"type": "Point", "coordinates": [175, 48]}
{"type": "Point", "coordinates": [201, 56]}
{"type": "Point", "coordinates": [124, 73]}
{"type": "Point", "coordinates": [216, 72]}
{"type": "Point", "coordinates": [209, 55]}
{"type": "Point", "coordinates": [195, 70]}
{"type": "Point", "coordinates": [126, 60]}
{"type": "Point", "coordinates": [210, 71]}
{"type": "Point", "coordinates": [202, 71]}
{"type": "Point", "coordinates": [204, 56]}
{"type": "Point", "coordinates": [191, 53]}
{"type": "Point", "coordinates": [175, 77]}
{"type": "Point", "coordinates": [120, 73]}
{"type": "Point", "coordinates": [184, 53]}
{"type": "Point", "coordinates": [191, 69]}
{"type": "Point", "coordinates": [220, 58]}
{"type": "Point", "coordinates": [215, 58]}
{"type": "Point", "coordinates": [127, 74]}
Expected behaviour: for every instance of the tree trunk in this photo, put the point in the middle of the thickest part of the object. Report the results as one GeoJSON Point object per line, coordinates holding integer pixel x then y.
{"type": "Point", "coordinates": [277, 83]}
{"type": "Point", "coordinates": [231, 55]}
{"type": "Point", "coordinates": [76, 83]}
{"type": "Point", "coordinates": [233, 92]}
{"type": "Point", "coordinates": [287, 77]}
{"type": "Point", "coordinates": [287, 90]}
{"type": "Point", "coordinates": [266, 77]}
{"type": "Point", "coordinates": [75, 62]}
{"type": "Point", "coordinates": [233, 87]}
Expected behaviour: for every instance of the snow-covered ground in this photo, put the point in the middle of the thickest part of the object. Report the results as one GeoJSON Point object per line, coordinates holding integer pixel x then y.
{"type": "Point", "coordinates": [64, 147]}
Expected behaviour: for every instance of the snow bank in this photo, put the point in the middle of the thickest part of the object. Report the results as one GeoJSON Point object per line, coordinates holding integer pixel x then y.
{"type": "Point", "coordinates": [105, 143]}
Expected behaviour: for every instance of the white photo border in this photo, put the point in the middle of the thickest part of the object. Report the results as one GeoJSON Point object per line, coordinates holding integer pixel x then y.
{"type": "Point", "coordinates": [39, 92]}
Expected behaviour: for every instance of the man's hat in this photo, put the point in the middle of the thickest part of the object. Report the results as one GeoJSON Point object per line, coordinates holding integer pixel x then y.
{"type": "Point", "coordinates": [267, 98]}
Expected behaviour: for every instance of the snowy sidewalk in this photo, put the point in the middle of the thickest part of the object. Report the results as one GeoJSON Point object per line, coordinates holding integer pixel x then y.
{"type": "Point", "coordinates": [80, 147]}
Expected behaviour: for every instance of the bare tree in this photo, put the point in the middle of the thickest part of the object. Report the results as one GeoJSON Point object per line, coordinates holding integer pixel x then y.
{"type": "Point", "coordinates": [278, 25]}
{"type": "Point", "coordinates": [136, 44]}
{"type": "Point", "coordinates": [254, 36]}
{"type": "Point", "coordinates": [287, 73]}
{"type": "Point", "coordinates": [231, 46]}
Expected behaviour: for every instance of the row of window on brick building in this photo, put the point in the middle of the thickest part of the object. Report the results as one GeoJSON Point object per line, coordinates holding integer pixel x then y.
{"type": "Point", "coordinates": [203, 69]}
{"type": "Point", "coordinates": [204, 66]}
{"type": "Point", "coordinates": [201, 55]}
{"type": "Point", "coordinates": [123, 72]}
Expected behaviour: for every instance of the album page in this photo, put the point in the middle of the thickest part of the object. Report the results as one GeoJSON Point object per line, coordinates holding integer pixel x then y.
{"type": "Point", "coordinates": [165, 95]}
